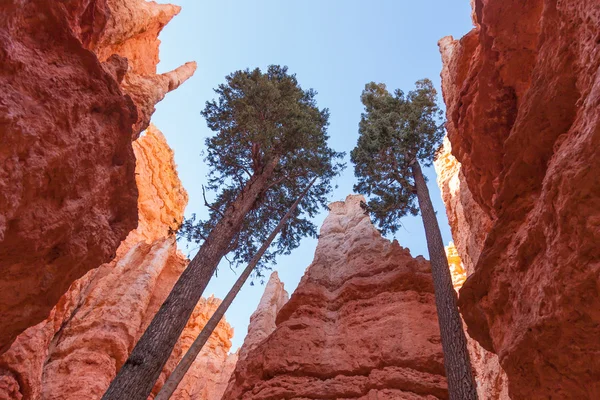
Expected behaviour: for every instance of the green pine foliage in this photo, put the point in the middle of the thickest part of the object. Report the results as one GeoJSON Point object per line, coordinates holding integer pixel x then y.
{"type": "Point", "coordinates": [394, 132]}
{"type": "Point", "coordinates": [257, 118]}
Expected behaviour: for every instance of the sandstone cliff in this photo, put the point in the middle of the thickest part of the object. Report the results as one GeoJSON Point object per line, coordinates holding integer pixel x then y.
{"type": "Point", "coordinates": [79, 83]}
{"type": "Point", "coordinates": [75, 353]}
{"type": "Point", "coordinates": [522, 92]}
{"type": "Point", "coordinates": [361, 325]}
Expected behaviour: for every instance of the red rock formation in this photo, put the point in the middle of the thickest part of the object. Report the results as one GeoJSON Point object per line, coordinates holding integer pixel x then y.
{"type": "Point", "coordinates": [361, 325]}
{"type": "Point", "coordinates": [76, 352]}
{"type": "Point", "coordinates": [469, 224]}
{"type": "Point", "coordinates": [457, 269]}
{"type": "Point", "coordinates": [523, 92]}
{"type": "Point", "coordinates": [67, 186]}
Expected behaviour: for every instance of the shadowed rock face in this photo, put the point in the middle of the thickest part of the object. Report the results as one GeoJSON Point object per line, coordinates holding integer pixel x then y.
{"type": "Point", "coordinates": [79, 83]}
{"type": "Point", "coordinates": [523, 92]}
{"type": "Point", "coordinates": [361, 325]}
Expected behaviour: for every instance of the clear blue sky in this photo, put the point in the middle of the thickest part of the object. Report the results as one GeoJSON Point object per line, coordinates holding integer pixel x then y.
{"type": "Point", "coordinates": [333, 46]}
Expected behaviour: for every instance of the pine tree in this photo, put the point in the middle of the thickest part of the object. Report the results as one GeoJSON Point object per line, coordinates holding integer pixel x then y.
{"type": "Point", "coordinates": [270, 141]}
{"type": "Point", "coordinates": [186, 362]}
{"type": "Point", "coordinates": [396, 133]}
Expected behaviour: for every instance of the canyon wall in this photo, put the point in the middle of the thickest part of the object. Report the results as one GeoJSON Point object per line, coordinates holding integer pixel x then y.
{"type": "Point", "coordinates": [78, 349]}
{"type": "Point", "coordinates": [79, 84]}
{"type": "Point", "coordinates": [362, 324]}
{"type": "Point", "coordinates": [522, 92]}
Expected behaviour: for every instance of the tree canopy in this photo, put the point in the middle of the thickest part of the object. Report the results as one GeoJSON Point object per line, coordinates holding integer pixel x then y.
{"type": "Point", "coordinates": [260, 118]}
{"type": "Point", "coordinates": [394, 132]}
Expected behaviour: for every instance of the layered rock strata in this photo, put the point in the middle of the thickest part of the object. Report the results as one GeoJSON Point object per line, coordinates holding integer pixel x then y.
{"type": "Point", "coordinates": [76, 352]}
{"type": "Point", "coordinates": [361, 324]}
{"type": "Point", "coordinates": [522, 92]}
{"type": "Point", "coordinates": [79, 83]}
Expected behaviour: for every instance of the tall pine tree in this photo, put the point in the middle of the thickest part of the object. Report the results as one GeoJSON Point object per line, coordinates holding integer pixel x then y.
{"type": "Point", "coordinates": [270, 141]}
{"type": "Point", "coordinates": [397, 133]}
{"type": "Point", "coordinates": [179, 372]}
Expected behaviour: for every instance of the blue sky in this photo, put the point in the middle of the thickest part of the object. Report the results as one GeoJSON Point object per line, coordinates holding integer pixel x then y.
{"type": "Point", "coordinates": [333, 46]}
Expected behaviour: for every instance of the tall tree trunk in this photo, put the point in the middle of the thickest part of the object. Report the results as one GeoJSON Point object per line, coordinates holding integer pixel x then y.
{"type": "Point", "coordinates": [137, 376]}
{"type": "Point", "coordinates": [461, 385]}
{"type": "Point", "coordinates": [184, 365]}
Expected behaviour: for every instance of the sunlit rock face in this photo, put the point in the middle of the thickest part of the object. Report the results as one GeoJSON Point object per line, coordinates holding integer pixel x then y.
{"type": "Point", "coordinates": [262, 321]}
{"type": "Point", "coordinates": [361, 324]}
{"type": "Point", "coordinates": [208, 375]}
{"type": "Point", "coordinates": [490, 378]}
{"type": "Point", "coordinates": [76, 352]}
{"type": "Point", "coordinates": [522, 92]}
{"type": "Point", "coordinates": [79, 83]}
{"type": "Point", "coordinates": [469, 226]}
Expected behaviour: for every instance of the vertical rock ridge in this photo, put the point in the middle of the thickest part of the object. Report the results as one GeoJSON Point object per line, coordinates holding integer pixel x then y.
{"type": "Point", "coordinates": [262, 321]}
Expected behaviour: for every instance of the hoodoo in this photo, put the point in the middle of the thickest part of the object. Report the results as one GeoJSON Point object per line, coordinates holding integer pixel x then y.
{"type": "Point", "coordinates": [77, 350]}
{"type": "Point", "coordinates": [362, 324]}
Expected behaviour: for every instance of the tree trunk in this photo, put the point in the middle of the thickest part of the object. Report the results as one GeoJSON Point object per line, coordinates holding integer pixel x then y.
{"type": "Point", "coordinates": [141, 370]}
{"type": "Point", "coordinates": [461, 385]}
{"type": "Point", "coordinates": [184, 365]}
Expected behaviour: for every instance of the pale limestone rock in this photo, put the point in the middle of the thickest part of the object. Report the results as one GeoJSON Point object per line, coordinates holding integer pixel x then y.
{"type": "Point", "coordinates": [262, 321]}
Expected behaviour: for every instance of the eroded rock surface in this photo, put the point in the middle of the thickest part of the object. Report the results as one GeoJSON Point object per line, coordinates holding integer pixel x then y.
{"type": "Point", "coordinates": [262, 321]}
{"type": "Point", "coordinates": [208, 375]}
{"type": "Point", "coordinates": [76, 352]}
{"type": "Point", "coordinates": [522, 92]}
{"type": "Point", "coordinates": [79, 83]}
{"type": "Point", "coordinates": [361, 325]}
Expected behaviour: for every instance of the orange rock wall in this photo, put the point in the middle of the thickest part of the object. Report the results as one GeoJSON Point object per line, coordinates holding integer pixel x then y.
{"type": "Point", "coordinates": [208, 375]}
{"type": "Point", "coordinates": [523, 94]}
{"type": "Point", "coordinates": [67, 119]}
{"type": "Point", "coordinates": [361, 324]}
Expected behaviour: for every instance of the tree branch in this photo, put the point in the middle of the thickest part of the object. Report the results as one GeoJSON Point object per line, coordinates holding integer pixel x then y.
{"type": "Point", "coordinates": [209, 206]}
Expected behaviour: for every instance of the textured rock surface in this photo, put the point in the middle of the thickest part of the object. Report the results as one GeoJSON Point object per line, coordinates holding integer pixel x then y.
{"type": "Point", "coordinates": [457, 269]}
{"type": "Point", "coordinates": [523, 92]}
{"type": "Point", "coordinates": [67, 118]}
{"type": "Point", "coordinates": [207, 377]}
{"type": "Point", "coordinates": [262, 321]}
{"type": "Point", "coordinates": [361, 325]}
{"type": "Point", "coordinates": [469, 224]}
{"type": "Point", "coordinates": [75, 353]}
{"type": "Point", "coordinates": [67, 187]}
